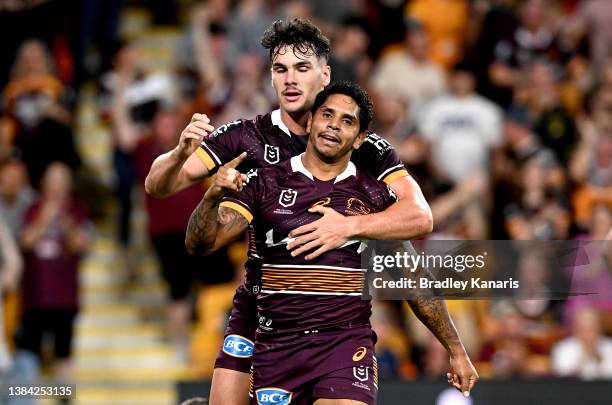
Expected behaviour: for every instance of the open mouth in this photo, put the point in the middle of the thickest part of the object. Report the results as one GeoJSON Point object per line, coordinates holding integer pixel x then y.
{"type": "Point", "coordinates": [292, 94]}
{"type": "Point", "coordinates": [329, 138]}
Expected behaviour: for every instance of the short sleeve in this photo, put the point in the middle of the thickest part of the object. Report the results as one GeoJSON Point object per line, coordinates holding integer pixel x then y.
{"type": "Point", "coordinates": [222, 145]}
{"type": "Point", "coordinates": [377, 157]}
{"type": "Point", "coordinates": [245, 202]}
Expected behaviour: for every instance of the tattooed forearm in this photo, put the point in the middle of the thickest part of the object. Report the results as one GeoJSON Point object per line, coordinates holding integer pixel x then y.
{"type": "Point", "coordinates": [432, 311]}
{"type": "Point", "coordinates": [428, 306]}
{"type": "Point", "coordinates": [210, 226]}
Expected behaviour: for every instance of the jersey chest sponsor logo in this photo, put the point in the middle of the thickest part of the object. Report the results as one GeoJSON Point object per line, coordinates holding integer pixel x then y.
{"type": "Point", "coordinates": [287, 197]}
{"type": "Point", "coordinates": [238, 346]}
{"type": "Point", "coordinates": [271, 154]}
{"type": "Point", "coordinates": [273, 396]}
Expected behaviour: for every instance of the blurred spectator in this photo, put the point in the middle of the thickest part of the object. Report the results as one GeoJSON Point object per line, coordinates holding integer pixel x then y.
{"type": "Point", "coordinates": [333, 12]}
{"type": "Point", "coordinates": [593, 18]}
{"type": "Point", "coordinates": [446, 23]}
{"type": "Point", "coordinates": [586, 354]}
{"type": "Point", "coordinates": [11, 264]}
{"type": "Point", "coordinates": [167, 232]}
{"type": "Point", "coordinates": [550, 120]}
{"type": "Point", "coordinates": [539, 211]}
{"type": "Point", "coordinates": [16, 195]}
{"type": "Point", "coordinates": [54, 236]}
{"type": "Point", "coordinates": [505, 47]}
{"type": "Point", "coordinates": [202, 58]}
{"type": "Point", "coordinates": [35, 101]}
{"type": "Point", "coordinates": [591, 163]}
{"type": "Point", "coordinates": [349, 61]}
{"type": "Point", "coordinates": [508, 351]}
{"type": "Point", "coordinates": [459, 212]}
{"type": "Point", "coordinates": [247, 97]}
{"type": "Point", "coordinates": [461, 124]}
{"type": "Point", "coordinates": [245, 27]}
{"type": "Point", "coordinates": [141, 95]}
{"type": "Point", "coordinates": [409, 71]}
{"type": "Point", "coordinates": [593, 275]}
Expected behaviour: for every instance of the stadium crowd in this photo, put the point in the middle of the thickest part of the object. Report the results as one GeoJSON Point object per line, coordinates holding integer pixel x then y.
{"type": "Point", "coordinates": [500, 109]}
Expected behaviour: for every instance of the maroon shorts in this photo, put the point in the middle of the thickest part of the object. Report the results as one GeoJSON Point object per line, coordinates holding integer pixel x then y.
{"type": "Point", "coordinates": [300, 368]}
{"type": "Point", "coordinates": [239, 338]}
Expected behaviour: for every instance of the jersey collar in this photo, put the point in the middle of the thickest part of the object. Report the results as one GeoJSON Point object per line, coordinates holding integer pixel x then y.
{"type": "Point", "coordinates": [277, 121]}
{"type": "Point", "coordinates": [298, 166]}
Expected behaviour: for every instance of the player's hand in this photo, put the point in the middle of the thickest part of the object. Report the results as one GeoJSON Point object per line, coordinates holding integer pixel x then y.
{"type": "Point", "coordinates": [463, 375]}
{"type": "Point", "coordinates": [228, 178]}
{"type": "Point", "coordinates": [329, 232]}
{"type": "Point", "coordinates": [193, 134]}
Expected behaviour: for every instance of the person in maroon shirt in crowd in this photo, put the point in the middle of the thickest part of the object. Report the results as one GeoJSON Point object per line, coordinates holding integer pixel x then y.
{"type": "Point", "coordinates": [167, 218]}
{"type": "Point", "coordinates": [54, 235]}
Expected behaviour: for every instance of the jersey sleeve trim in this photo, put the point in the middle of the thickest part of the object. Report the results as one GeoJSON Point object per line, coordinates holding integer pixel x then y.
{"type": "Point", "coordinates": [206, 159]}
{"type": "Point", "coordinates": [239, 208]}
{"type": "Point", "coordinates": [393, 173]}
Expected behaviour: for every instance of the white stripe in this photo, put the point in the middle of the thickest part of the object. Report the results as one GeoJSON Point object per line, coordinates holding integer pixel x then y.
{"type": "Point", "coordinates": [309, 266]}
{"type": "Point", "coordinates": [212, 154]}
{"type": "Point", "coordinates": [309, 293]}
{"type": "Point", "coordinates": [382, 176]}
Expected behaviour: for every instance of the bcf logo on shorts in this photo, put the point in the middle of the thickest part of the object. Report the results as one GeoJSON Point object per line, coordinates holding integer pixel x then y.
{"type": "Point", "coordinates": [238, 346]}
{"type": "Point", "coordinates": [273, 396]}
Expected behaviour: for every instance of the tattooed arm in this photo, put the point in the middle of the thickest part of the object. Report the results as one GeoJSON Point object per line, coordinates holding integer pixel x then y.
{"type": "Point", "coordinates": [431, 310]}
{"type": "Point", "coordinates": [210, 226]}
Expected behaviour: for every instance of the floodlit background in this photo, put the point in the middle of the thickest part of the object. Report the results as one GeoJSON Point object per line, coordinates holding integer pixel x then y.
{"type": "Point", "coordinates": [501, 109]}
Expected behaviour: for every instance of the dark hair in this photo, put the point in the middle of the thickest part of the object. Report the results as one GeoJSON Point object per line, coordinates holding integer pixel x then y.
{"type": "Point", "coordinates": [354, 91]}
{"type": "Point", "coordinates": [305, 38]}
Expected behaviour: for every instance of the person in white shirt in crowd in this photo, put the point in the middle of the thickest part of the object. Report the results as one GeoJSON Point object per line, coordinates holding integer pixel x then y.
{"type": "Point", "coordinates": [462, 128]}
{"type": "Point", "coordinates": [587, 354]}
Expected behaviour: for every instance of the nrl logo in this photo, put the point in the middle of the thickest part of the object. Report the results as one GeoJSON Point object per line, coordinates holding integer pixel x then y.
{"type": "Point", "coordinates": [271, 154]}
{"type": "Point", "coordinates": [287, 197]}
{"type": "Point", "coordinates": [360, 373]}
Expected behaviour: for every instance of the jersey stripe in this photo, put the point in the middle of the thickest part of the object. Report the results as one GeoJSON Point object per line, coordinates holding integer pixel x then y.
{"type": "Point", "coordinates": [309, 266]}
{"type": "Point", "coordinates": [356, 294]}
{"type": "Point", "coordinates": [395, 175]}
{"type": "Point", "coordinates": [239, 208]}
{"type": "Point", "coordinates": [205, 158]}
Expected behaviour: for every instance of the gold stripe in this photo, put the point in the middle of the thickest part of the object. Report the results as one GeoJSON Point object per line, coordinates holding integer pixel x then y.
{"type": "Point", "coordinates": [206, 159]}
{"type": "Point", "coordinates": [311, 271]}
{"type": "Point", "coordinates": [308, 286]}
{"type": "Point", "coordinates": [320, 284]}
{"type": "Point", "coordinates": [398, 174]}
{"type": "Point", "coordinates": [237, 207]}
{"type": "Point", "coordinates": [313, 275]}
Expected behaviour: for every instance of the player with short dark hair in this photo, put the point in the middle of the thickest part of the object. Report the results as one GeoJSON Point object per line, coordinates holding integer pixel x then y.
{"type": "Point", "coordinates": [299, 72]}
{"type": "Point", "coordinates": [311, 307]}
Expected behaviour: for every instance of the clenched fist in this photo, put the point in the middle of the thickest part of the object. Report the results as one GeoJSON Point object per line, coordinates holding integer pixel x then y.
{"type": "Point", "coordinates": [193, 134]}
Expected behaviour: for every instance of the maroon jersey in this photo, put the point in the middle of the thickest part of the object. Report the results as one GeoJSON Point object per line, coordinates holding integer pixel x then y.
{"type": "Point", "coordinates": [297, 294]}
{"type": "Point", "coordinates": [268, 141]}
